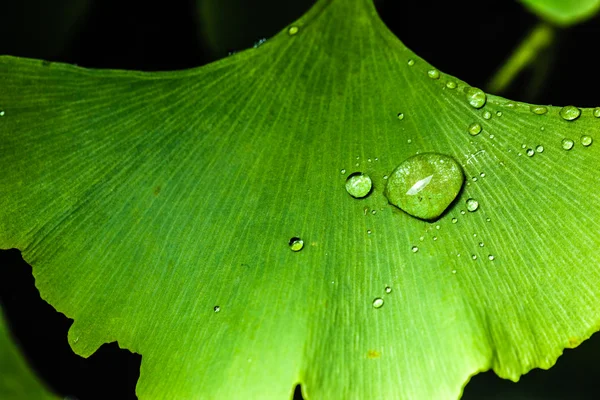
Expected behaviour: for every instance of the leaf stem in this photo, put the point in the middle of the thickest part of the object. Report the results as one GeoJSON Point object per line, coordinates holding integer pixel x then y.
{"type": "Point", "coordinates": [538, 40]}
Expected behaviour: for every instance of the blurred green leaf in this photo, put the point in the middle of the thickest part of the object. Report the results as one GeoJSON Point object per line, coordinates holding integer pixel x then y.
{"type": "Point", "coordinates": [17, 381]}
{"type": "Point", "coordinates": [563, 12]}
{"type": "Point", "coordinates": [157, 209]}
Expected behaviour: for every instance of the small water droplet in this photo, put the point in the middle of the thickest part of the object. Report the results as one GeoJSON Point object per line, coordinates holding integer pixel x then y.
{"type": "Point", "coordinates": [570, 113]}
{"type": "Point", "coordinates": [453, 271]}
{"type": "Point", "coordinates": [523, 146]}
{"type": "Point", "coordinates": [374, 212]}
{"type": "Point", "coordinates": [474, 179]}
{"type": "Point", "coordinates": [385, 177]}
{"type": "Point", "coordinates": [217, 308]}
{"type": "Point", "coordinates": [586, 140]}
{"type": "Point", "coordinates": [487, 115]}
{"type": "Point", "coordinates": [474, 129]}
{"type": "Point", "coordinates": [567, 144]}
{"type": "Point", "coordinates": [2, 113]}
{"type": "Point", "coordinates": [539, 110]}
{"type": "Point", "coordinates": [597, 112]}
{"type": "Point", "coordinates": [539, 149]}
{"type": "Point", "coordinates": [488, 219]}
{"type": "Point", "coordinates": [388, 289]}
{"type": "Point", "coordinates": [400, 116]}
{"type": "Point", "coordinates": [435, 238]}
{"type": "Point", "coordinates": [476, 97]}
{"type": "Point", "coordinates": [411, 62]}
{"type": "Point", "coordinates": [451, 85]}
{"type": "Point", "coordinates": [358, 185]}
{"type": "Point", "coordinates": [530, 152]}
{"type": "Point", "coordinates": [422, 238]}
{"type": "Point", "coordinates": [425, 185]}
{"type": "Point", "coordinates": [296, 244]}
{"type": "Point", "coordinates": [491, 257]}
{"type": "Point", "coordinates": [474, 257]}
{"type": "Point", "coordinates": [463, 212]}
{"type": "Point", "coordinates": [378, 302]}
{"type": "Point", "coordinates": [454, 220]}
{"type": "Point", "coordinates": [433, 74]}
{"type": "Point", "coordinates": [482, 174]}
{"type": "Point", "coordinates": [259, 43]}
{"type": "Point", "coordinates": [343, 171]}
{"type": "Point", "coordinates": [368, 232]}
{"type": "Point", "coordinates": [293, 30]}
{"type": "Point", "coordinates": [472, 205]}
{"type": "Point", "coordinates": [414, 249]}
{"type": "Point", "coordinates": [409, 141]}
{"type": "Point", "coordinates": [498, 113]}
{"type": "Point", "coordinates": [492, 136]}
{"type": "Point", "coordinates": [437, 227]}
{"type": "Point", "coordinates": [481, 244]}
{"type": "Point", "coordinates": [369, 160]}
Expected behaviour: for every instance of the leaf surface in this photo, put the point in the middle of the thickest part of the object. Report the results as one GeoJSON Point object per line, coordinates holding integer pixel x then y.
{"type": "Point", "coordinates": [147, 202]}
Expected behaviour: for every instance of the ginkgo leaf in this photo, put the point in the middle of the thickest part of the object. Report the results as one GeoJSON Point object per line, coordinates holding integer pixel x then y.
{"type": "Point", "coordinates": [201, 218]}
{"type": "Point", "coordinates": [563, 12]}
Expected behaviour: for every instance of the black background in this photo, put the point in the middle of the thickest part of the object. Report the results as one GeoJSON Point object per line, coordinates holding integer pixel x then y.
{"type": "Point", "coordinates": [469, 39]}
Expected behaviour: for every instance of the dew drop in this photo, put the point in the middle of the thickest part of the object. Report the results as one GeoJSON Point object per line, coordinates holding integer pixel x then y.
{"type": "Point", "coordinates": [482, 174]}
{"type": "Point", "coordinates": [487, 115]}
{"type": "Point", "coordinates": [296, 244]}
{"type": "Point", "coordinates": [374, 212]}
{"type": "Point", "coordinates": [388, 289]}
{"type": "Point", "coordinates": [378, 302]}
{"type": "Point", "coordinates": [293, 30]}
{"type": "Point", "coordinates": [586, 140]}
{"type": "Point", "coordinates": [451, 85]}
{"type": "Point", "coordinates": [343, 171]}
{"type": "Point", "coordinates": [385, 177]}
{"type": "Point", "coordinates": [474, 179]}
{"type": "Point", "coordinates": [2, 113]}
{"type": "Point", "coordinates": [433, 74]}
{"type": "Point", "coordinates": [463, 212]}
{"type": "Point", "coordinates": [567, 144]}
{"type": "Point", "coordinates": [474, 257]}
{"type": "Point", "coordinates": [217, 308]}
{"type": "Point", "coordinates": [530, 152]}
{"type": "Point", "coordinates": [259, 43]}
{"type": "Point", "coordinates": [539, 110]}
{"type": "Point", "coordinates": [491, 257]}
{"type": "Point", "coordinates": [358, 185]}
{"type": "Point", "coordinates": [481, 244]}
{"type": "Point", "coordinates": [454, 220]}
{"type": "Point", "coordinates": [474, 129]}
{"type": "Point", "coordinates": [539, 149]}
{"type": "Point", "coordinates": [369, 232]}
{"type": "Point", "coordinates": [425, 185]}
{"type": "Point", "coordinates": [400, 116]}
{"type": "Point", "coordinates": [411, 62]}
{"type": "Point", "coordinates": [498, 113]}
{"type": "Point", "coordinates": [476, 97]}
{"type": "Point", "coordinates": [597, 112]}
{"type": "Point", "coordinates": [570, 113]}
{"type": "Point", "coordinates": [472, 205]}
{"type": "Point", "coordinates": [414, 249]}
{"type": "Point", "coordinates": [488, 219]}
{"type": "Point", "coordinates": [454, 271]}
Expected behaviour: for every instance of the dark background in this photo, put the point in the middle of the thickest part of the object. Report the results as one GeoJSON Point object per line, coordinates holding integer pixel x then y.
{"type": "Point", "coordinates": [469, 39]}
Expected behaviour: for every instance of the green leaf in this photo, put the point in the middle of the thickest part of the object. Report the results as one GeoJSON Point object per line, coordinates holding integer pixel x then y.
{"type": "Point", "coordinates": [158, 210]}
{"type": "Point", "coordinates": [17, 381]}
{"type": "Point", "coordinates": [563, 12]}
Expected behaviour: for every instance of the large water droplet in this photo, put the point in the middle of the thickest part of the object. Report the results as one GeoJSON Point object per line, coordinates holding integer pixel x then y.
{"type": "Point", "coordinates": [296, 244]}
{"type": "Point", "coordinates": [472, 205]}
{"type": "Point", "coordinates": [433, 74]}
{"type": "Point", "coordinates": [293, 30]}
{"type": "Point", "coordinates": [378, 302]}
{"type": "Point", "coordinates": [476, 97]}
{"type": "Point", "coordinates": [567, 144]}
{"type": "Point", "coordinates": [586, 140]}
{"type": "Point", "coordinates": [425, 185]}
{"type": "Point", "coordinates": [359, 185]}
{"type": "Point", "coordinates": [570, 113]}
{"type": "Point", "coordinates": [539, 110]}
{"type": "Point", "coordinates": [474, 129]}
